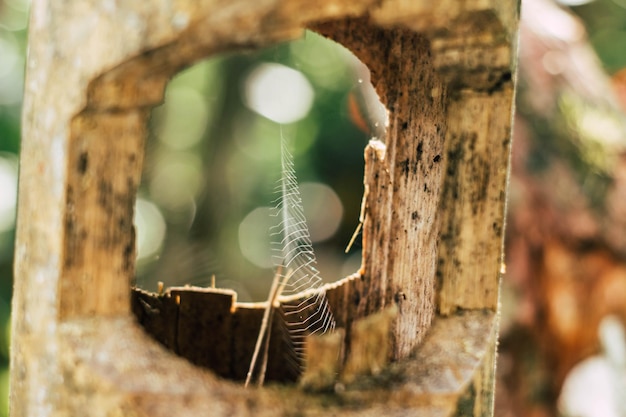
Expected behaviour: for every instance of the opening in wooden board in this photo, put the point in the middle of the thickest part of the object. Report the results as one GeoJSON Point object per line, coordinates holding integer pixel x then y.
{"type": "Point", "coordinates": [403, 178]}
{"type": "Point", "coordinates": [206, 213]}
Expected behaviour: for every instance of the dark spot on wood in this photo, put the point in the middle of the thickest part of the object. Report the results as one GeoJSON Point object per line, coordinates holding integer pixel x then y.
{"type": "Point", "coordinates": [497, 85]}
{"type": "Point", "coordinates": [83, 163]}
{"type": "Point", "coordinates": [405, 125]}
{"type": "Point", "coordinates": [75, 235]}
{"type": "Point", "coordinates": [71, 243]}
{"type": "Point", "coordinates": [455, 156]}
{"type": "Point", "coordinates": [129, 253]}
{"type": "Point", "coordinates": [414, 215]}
{"type": "Point", "coordinates": [497, 228]}
{"type": "Point", "coordinates": [466, 404]}
{"type": "Point", "coordinates": [481, 174]}
{"type": "Point", "coordinates": [437, 158]}
{"type": "Point", "coordinates": [104, 195]}
{"type": "Point", "coordinates": [356, 298]}
{"type": "Point", "coordinates": [399, 297]}
{"type": "Point", "coordinates": [404, 166]}
{"type": "Point", "coordinates": [420, 150]}
{"type": "Point", "coordinates": [472, 138]}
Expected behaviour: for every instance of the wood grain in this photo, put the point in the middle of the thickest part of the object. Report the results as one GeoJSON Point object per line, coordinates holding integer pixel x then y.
{"type": "Point", "coordinates": [95, 69]}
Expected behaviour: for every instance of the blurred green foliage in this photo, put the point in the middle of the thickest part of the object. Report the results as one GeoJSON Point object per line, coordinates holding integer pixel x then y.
{"type": "Point", "coordinates": [236, 163]}
{"type": "Point", "coordinates": [13, 19]}
{"type": "Point", "coordinates": [605, 21]}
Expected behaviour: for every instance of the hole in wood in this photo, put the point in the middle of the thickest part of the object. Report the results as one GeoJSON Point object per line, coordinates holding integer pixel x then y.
{"type": "Point", "coordinates": [403, 179]}
{"type": "Point", "coordinates": [211, 168]}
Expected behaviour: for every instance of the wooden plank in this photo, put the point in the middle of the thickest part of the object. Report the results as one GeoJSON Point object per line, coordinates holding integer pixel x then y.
{"type": "Point", "coordinates": [403, 175]}
{"type": "Point", "coordinates": [93, 71]}
{"type": "Point", "coordinates": [477, 152]}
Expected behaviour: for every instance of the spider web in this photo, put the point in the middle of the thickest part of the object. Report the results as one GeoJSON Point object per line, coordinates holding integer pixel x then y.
{"type": "Point", "coordinates": [293, 252]}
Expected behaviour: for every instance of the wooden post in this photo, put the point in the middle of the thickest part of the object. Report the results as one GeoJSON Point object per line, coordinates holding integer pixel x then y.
{"type": "Point", "coordinates": [434, 203]}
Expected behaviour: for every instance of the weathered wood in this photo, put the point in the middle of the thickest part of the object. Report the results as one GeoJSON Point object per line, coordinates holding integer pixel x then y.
{"type": "Point", "coordinates": [211, 329]}
{"type": "Point", "coordinates": [476, 162]}
{"type": "Point", "coordinates": [444, 375]}
{"type": "Point", "coordinates": [104, 169]}
{"type": "Point", "coordinates": [403, 175]}
{"type": "Point", "coordinates": [208, 327]}
{"type": "Point", "coordinates": [473, 42]}
{"type": "Point", "coordinates": [75, 348]}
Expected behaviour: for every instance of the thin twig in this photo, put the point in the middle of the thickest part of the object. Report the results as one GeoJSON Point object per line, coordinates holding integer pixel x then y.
{"type": "Point", "coordinates": [366, 193]}
{"type": "Point", "coordinates": [353, 238]}
{"type": "Point", "coordinates": [266, 351]}
{"type": "Point", "coordinates": [266, 348]}
{"type": "Point", "coordinates": [264, 324]}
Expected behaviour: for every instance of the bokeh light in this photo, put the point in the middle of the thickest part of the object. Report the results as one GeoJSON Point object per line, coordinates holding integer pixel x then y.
{"type": "Point", "coordinates": [182, 118]}
{"type": "Point", "coordinates": [254, 239]}
{"type": "Point", "coordinates": [322, 209]}
{"type": "Point", "coordinates": [574, 2]}
{"type": "Point", "coordinates": [150, 229]}
{"type": "Point", "coordinates": [175, 182]}
{"type": "Point", "coordinates": [279, 93]}
{"type": "Point", "coordinates": [11, 71]}
{"type": "Point", "coordinates": [8, 191]}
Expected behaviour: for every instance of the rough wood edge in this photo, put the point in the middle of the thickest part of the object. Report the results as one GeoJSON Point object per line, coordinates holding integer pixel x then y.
{"type": "Point", "coordinates": [211, 329]}
{"type": "Point", "coordinates": [136, 375]}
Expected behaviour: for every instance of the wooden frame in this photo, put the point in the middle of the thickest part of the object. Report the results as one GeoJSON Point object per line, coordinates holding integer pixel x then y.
{"type": "Point", "coordinates": [434, 202]}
